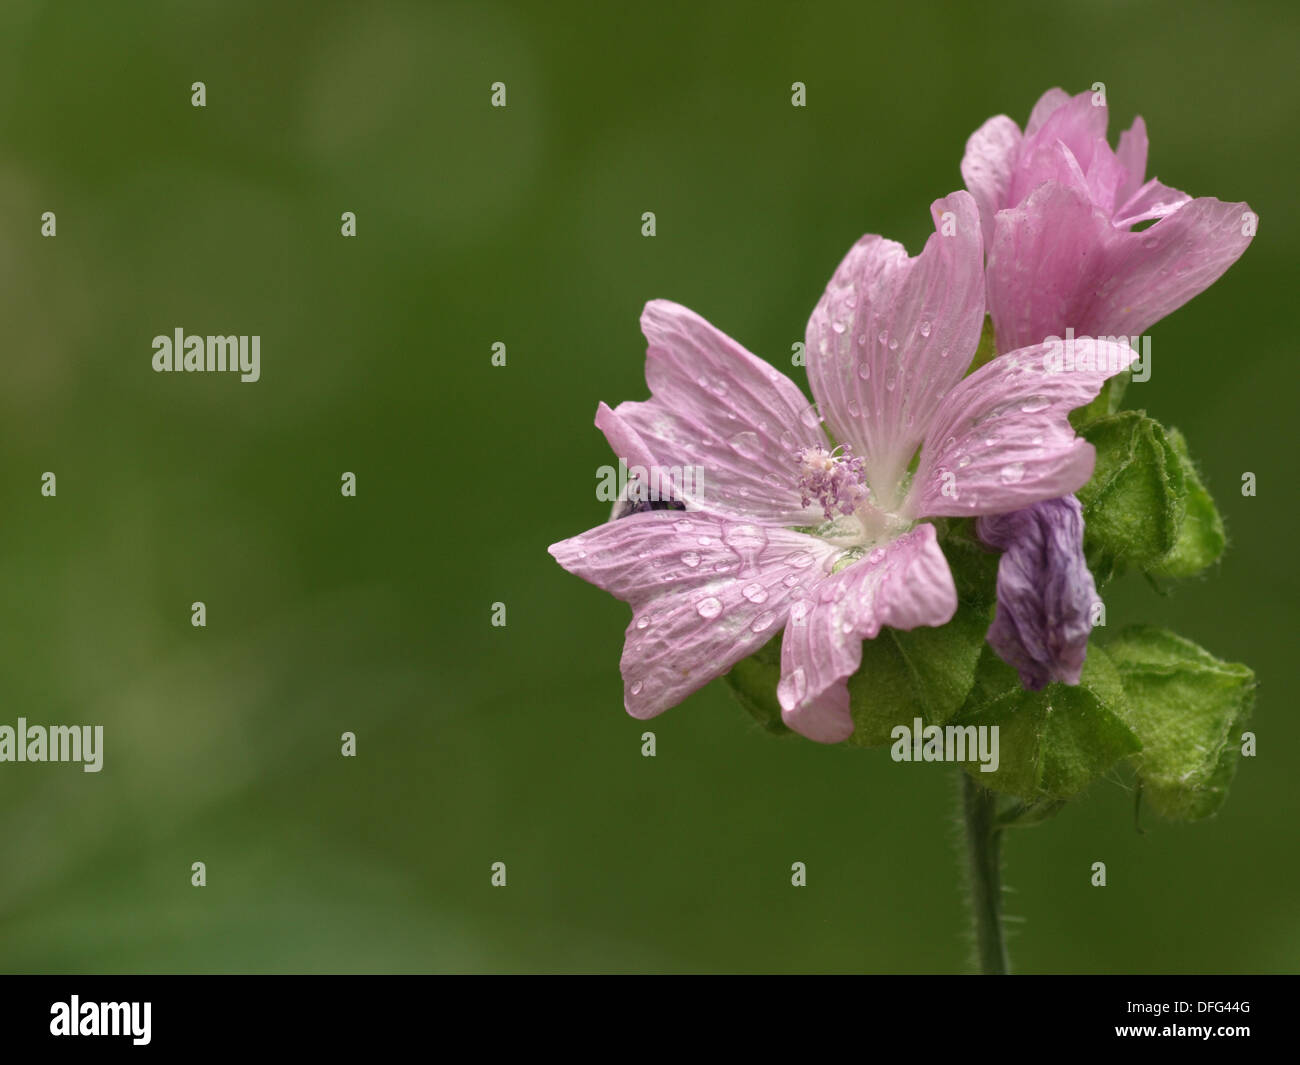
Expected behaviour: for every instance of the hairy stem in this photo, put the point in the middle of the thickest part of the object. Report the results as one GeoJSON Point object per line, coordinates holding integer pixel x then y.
{"type": "Point", "coordinates": [984, 855]}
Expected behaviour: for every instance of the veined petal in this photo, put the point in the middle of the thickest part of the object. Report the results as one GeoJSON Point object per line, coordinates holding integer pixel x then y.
{"type": "Point", "coordinates": [1047, 259]}
{"type": "Point", "coordinates": [1051, 101]}
{"type": "Point", "coordinates": [891, 335]}
{"type": "Point", "coordinates": [1132, 155]}
{"type": "Point", "coordinates": [717, 407]}
{"type": "Point", "coordinates": [1045, 591]}
{"type": "Point", "coordinates": [903, 584]}
{"type": "Point", "coordinates": [1078, 123]}
{"type": "Point", "coordinates": [1002, 438]}
{"type": "Point", "coordinates": [1154, 271]}
{"type": "Point", "coordinates": [705, 591]}
{"type": "Point", "coordinates": [1152, 200]}
{"type": "Point", "coordinates": [987, 166]}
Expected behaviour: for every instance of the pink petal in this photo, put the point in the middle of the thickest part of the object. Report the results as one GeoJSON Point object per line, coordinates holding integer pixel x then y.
{"type": "Point", "coordinates": [1002, 439]}
{"type": "Point", "coordinates": [1132, 155]}
{"type": "Point", "coordinates": [1052, 100]}
{"type": "Point", "coordinates": [705, 592]}
{"type": "Point", "coordinates": [1152, 272]}
{"type": "Point", "coordinates": [1152, 200]}
{"type": "Point", "coordinates": [1046, 261]}
{"type": "Point", "coordinates": [991, 153]}
{"type": "Point", "coordinates": [715, 406]}
{"type": "Point", "coordinates": [1078, 124]}
{"type": "Point", "coordinates": [903, 584]}
{"type": "Point", "coordinates": [891, 335]}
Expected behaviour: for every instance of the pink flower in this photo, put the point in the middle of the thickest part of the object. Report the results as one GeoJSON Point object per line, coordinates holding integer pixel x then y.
{"type": "Point", "coordinates": [1057, 207]}
{"type": "Point", "coordinates": [829, 542]}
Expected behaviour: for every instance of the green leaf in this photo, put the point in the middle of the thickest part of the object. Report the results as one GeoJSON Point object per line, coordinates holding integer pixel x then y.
{"type": "Point", "coordinates": [1189, 709]}
{"type": "Point", "coordinates": [973, 564]}
{"type": "Point", "coordinates": [1134, 504]}
{"type": "Point", "coordinates": [1201, 538]}
{"type": "Point", "coordinates": [1051, 744]}
{"type": "Point", "coordinates": [924, 672]}
{"type": "Point", "coordinates": [753, 682]}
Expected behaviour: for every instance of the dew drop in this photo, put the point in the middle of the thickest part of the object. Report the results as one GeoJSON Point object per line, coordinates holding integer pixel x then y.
{"type": "Point", "coordinates": [704, 541]}
{"type": "Point", "coordinates": [755, 593]}
{"type": "Point", "coordinates": [643, 621]}
{"type": "Point", "coordinates": [839, 327]}
{"type": "Point", "coordinates": [925, 328]}
{"type": "Point", "coordinates": [1012, 472]}
{"type": "Point", "coordinates": [790, 580]}
{"type": "Point", "coordinates": [1034, 404]}
{"type": "Point", "coordinates": [811, 417]}
{"type": "Point", "coordinates": [763, 621]}
{"type": "Point", "coordinates": [684, 526]}
{"type": "Point", "coordinates": [876, 555]}
{"type": "Point", "coordinates": [883, 335]}
{"type": "Point", "coordinates": [864, 369]}
{"type": "Point", "coordinates": [636, 687]}
{"type": "Point", "coordinates": [799, 560]}
{"type": "Point", "coordinates": [746, 444]}
{"type": "Point", "coordinates": [709, 608]}
{"type": "Point", "coordinates": [691, 558]}
{"type": "Point", "coordinates": [795, 685]}
{"type": "Point", "coordinates": [799, 613]}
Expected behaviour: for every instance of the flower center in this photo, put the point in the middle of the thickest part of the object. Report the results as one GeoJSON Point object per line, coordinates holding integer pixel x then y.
{"type": "Point", "coordinates": [835, 479]}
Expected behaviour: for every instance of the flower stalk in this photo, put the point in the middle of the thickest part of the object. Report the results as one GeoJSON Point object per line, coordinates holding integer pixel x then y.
{"type": "Point", "coordinates": [984, 870]}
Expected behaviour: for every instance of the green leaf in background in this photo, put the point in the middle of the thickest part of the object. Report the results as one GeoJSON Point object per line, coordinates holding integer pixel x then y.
{"type": "Point", "coordinates": [925, 672]}
{"type": "Point", "coordinates": [1201, 538]}
{"type": "Point", "coordinates": [1188, 708]}
{"type": "Point", "coordinates": [1054, 742]}
{"type": "Point", "coordinates": [1134, 504]}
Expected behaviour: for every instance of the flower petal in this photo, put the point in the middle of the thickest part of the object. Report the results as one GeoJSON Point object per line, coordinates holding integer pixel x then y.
{"type": "Point", "coordinates": [1002, 438]}
{"type": "Point", "coordinates": [1152, 200]}
{"type": "Point", "coordinates": [1045, 591]}
{"type": "Point", "coordinates": [715, 406]}
{"type": "Point", "coordinates": [1132, 155]}
{"type": "Point", "coordinates": [1047, 259]}
{"type": "Point", "coordinates": [903, 584]}
{"type": "Point", "coordinates": [1078, 123]}
{"type": "Point", "coordinates": [1051, 101]}
{"type": "Point", "coordinates": [991, 153]}
{"type": "Point", "coordinates": [1152, 272]}
{"type": "Point", "coordinates": [705, 592]}
{"type": "Point", "coordinates": [891, 335]}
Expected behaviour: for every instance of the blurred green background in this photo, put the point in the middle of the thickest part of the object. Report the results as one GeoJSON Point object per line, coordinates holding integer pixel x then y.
{"type": "Point", "coordinates": [476, 225]}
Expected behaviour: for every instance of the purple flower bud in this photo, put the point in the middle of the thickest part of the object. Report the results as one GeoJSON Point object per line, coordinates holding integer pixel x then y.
{"type": "Point", "coordinates": [1045, 591]}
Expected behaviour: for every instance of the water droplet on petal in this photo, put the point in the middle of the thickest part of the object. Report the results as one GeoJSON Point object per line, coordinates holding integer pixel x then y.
{"type": "Point", "coordinates": [799, 613]}
{"type": "Point", "coordinates": [763, 621]}
{"type": "Point", "coordinates": [877, 553]}
{"type": "Point", "coordinates": [864, 369]}
{"type": "Point", "coordinates": [684, 526]}
{"type": "Point", "coordinates": [883, 335]}
{"type": "Point", "coordinates": [1012, 472]}
{"type": "Point", "coordinates": [811, 416]}
{"type": "Point", "coordinates": [799, 560]}
{"type": "Point", "coordinates": [691, 558]}
{"type": "Point", "coordinates": [795, 686]}
{"type": "Point", "coordinates": [1034, 404]}
{"type": "Point", "coordinates": [704, 541]}
{"type": "Point", "coordinates": [636, 687]}
{"type": "Point", "coordinates": [709, 608]}
{"type": "Point", "coordinates": [925, 328]}
{"type": "Point", "coordinates": [790, 580]}
{"type": "Point", "coordinates": [839, 327]}
{"type": "Point", "coordinates": [755, 593]}
{"type": "Point", "coordinates": [893, 343]}
{"type": "Point", "coordinates": [643, 621]}
{"type": "Point", "coordinates": [746, 444]}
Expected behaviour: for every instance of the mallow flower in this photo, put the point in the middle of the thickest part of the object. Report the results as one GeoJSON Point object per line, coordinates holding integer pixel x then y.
{"type": "Point", "coordinates": [1057, 209]}
{"type": "Point", "coordinates": [826, 536]}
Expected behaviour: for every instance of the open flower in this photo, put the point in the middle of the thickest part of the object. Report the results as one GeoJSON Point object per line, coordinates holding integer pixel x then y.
{"type": "Point", "coordinates": [1058, 206]}
{"type": "Point", "coordinates": [827, 538]}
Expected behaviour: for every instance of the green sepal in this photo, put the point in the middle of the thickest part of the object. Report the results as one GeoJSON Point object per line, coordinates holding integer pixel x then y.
{"type": "Point", "coordinates": [753, 682]}
{"type": "Point", "coordinates": [1189, 709]}
{"type": "Point", "coordinates": [924, 672]}
{"type": "Point", "coordinates": [1052, 743]}
{"type": "Point", "coordinates": [1201, 537]}
{"type": "Point", "coordinates": [1134, 504]}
